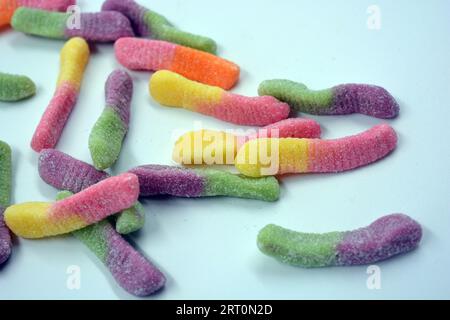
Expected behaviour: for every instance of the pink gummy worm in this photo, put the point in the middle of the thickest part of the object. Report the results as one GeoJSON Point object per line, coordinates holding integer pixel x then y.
{"type": "Point", "coordinates": [289, 128]}
{"type": "Point", "coordinates": [54, 119]}
{"type": "Point", "coordinates": [99, 201]}
{"type": "Point", "coordinates": [51, 5]}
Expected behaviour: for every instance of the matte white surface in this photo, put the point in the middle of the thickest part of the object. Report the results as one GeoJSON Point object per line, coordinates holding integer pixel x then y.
{"type": "Point", "coordinates": [207, 246]}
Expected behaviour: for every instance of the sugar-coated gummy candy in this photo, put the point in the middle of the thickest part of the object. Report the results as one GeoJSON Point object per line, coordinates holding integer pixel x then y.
{"type": "Point", "coordinates": [366, 99]}
{"type": "Point", "coordinates": [105, 140]}
{"type": "Point", "coordinates": [41, 219]}
{"type": "Point", "coordinates": [5, 194]}
{"type": "Point", "coordinates": [73, 61]}
{"type": "Point", "coordinates": [290, 155]}
{"type": "Point", "coordinates": [148, 23]}
{"type": "Point", "coordinates": [15, 87]}
{"type": "Point", "coordinates": [64, 172]}
{"type": "Point", "coordinates": [131, 270]}
{"type": "Point", "coordinates": [173, 90]}
{"type": "Point", "coordinates": [388, 236]}
{"type": "Point", "coordinates": [154, 55]}
{"type": "Point", "coordinates": [203, 182]}
{"type": "Point", "coordinates": [107, 26]}
{"type": "Point", "coordinates": [218, 147]}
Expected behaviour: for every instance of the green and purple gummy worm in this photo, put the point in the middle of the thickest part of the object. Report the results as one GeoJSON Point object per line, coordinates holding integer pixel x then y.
{"type": "Point", "coordinates": [5, 198]}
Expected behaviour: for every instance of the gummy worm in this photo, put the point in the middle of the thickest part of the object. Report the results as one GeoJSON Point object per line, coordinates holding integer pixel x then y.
{"type": "Point", "coordinates": [64, 172]}
{"type": "Point", "coordinates": [148, 23]}
{"type": "Point", "coordinates": [218, 147]}
{"type": "Point", "coordinates": [193, 183]}
{"type": "Point", "coordinates": [289, 155]}
{"type": "Point", "coordinates": [40, 219]}
{"type": "Point", "coordinates": [107, 26]}
{"type": "Point", "coordinates": [105, 140]}
{"type": "Point", "coordinates": [131, 270]}
{"type": "Point", "coordinates": [386, 237]}
{"type": "Point", "coordinates": [173, 90]}
{"type": "Point", "coordinates": [366, 99]}
{"type": "Point", "coordinates": [154, 55]}
{"type": "Point", "coordinates": [15, 88]}
{"type": "Point", "coordinates": [74, 58]}
{"type": "Point", "coordinates": [5, 194]}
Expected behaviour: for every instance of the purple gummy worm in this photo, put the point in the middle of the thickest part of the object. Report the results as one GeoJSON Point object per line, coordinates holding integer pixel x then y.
{"type": "Point", "coordinates": [118, 92]}
{"type": "Point", "coordinates": [5, 239]}
{"type": "Point", "coordinates": [135, 12]}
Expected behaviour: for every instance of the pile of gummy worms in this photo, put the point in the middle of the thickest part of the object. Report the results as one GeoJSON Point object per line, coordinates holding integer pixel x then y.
{"type": "Point", "coordinates": [98, 208]}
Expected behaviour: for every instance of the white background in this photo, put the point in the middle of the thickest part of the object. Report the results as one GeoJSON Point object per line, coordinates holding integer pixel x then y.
{"type": "Point", "coordinates": [207, 247]}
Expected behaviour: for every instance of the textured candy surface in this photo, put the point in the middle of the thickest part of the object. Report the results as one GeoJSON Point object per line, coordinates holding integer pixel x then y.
{"type": "Point", "coordinates": [40, 219]}
{"type": "Point", "coordinates": [183, 182]}
{"type": "Point", "coordinates": [281, 156]}
{"type": "Point", "coordinates": [74, 58]}
{"type": "Point", "coordinates": [5, 239]}
{"type": "Point", "coordinates": [173, 90]}
{"type": "Point", "coordinates": [105, 26]}
{"type": "Point", "coordinates": [67, 173]}
{"type": "Point", "coordinates": [132, 271]}
{"type": "Point", "coordinates": [154, 55]}
{"type": "Point", "coordinates": [5, 194]}
{"type": "Point", "coordinates": [218, 147]}
{"type": "Point", "coordinates": [105, 140]}
{"type": "Point", "coordinates": [386, 237]}
{"type": "Point", "coordinates": [343, 99]}
{"type": "Point", "coordinates": [15, 88]}
{"type": "Point", "coordinates": [148, 23]}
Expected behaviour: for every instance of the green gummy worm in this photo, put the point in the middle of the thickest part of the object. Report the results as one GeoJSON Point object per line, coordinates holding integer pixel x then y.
{"type": "Point", "coordinates": [15, 87]}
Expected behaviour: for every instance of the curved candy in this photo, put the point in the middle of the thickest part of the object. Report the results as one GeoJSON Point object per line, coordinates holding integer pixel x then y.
{"type": "Point", "coordinates": [153, 55]}
{"type": "Point", "coordinates": [148, 23]}
{"type": "Point", "coordinates": [15, 88]}
{"type": "Point", "coordinates": [64, 172]}
{"type": "Point", "coordinates": [105, 140]}
{"type": "Point", "coordinates": [193, 183]}
{"type": "Point", "coordinates": [5, 194]}
{"type": "Point", "coordinates": [107, 26]}
{"type": "Point", "coordinates": [40, 219]}
{"type": "Point", "coordinates": [343, 99]}
{"type": "Point", "coordinates": [386, 237]}
{"type": "Point", "coordinates": [74, 58]}
{"type": "Point", "coordinates": [280, 156]}
{"type": "Point", "coordinates": [171, 89]}
{"type": "Point", "coordinates": [218, 147]}
{"type": "Point", "coordinates": [132, 271]}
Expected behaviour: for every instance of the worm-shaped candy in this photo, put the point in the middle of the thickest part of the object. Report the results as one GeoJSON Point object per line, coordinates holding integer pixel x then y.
{"type": "Point", "coordinates": [343, 99]}
{"type": "Point", "coordinates": [105, 140]}
{"type": "Point", "coordinates": [74, 58]}
{"type": "Point", "coordinates": [147, 23]}
{"type": "Point", "coordinates": [15, 88]}
{"type": "Point", "coordinates": [132, 271]}
{"type": "Point", "coordinates": [154, 55]}
{"type": "Point", "coordinates": [64, 172]}
{"type": "Point", "coordinates": [40, 219]}
{"type": "Point", "coordinates": [218, 147]}
{"type": "Point", "coordinates": [107, 26]}
{"type": "Point", "coordinates": [7, 7]}
{"type": "Point", "coordinates": [386, 237]}
{"type": "Point", "coordinates": [5, 194]}
{"type": "Point", "coordinates": [194, 183]}
{"type": "Point", "coordinates": [261, 157]}
{"type": "Point", "coordinates": [173, 90]}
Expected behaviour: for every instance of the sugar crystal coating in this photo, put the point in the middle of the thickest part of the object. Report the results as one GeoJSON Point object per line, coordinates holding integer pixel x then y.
{"type": "Point", "coordinates": [5, 195]}
{"type": "Point", "coordinates": [15, 88]}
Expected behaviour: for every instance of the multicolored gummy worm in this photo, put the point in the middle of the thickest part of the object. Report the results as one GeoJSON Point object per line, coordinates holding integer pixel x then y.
{"type": "Point", "coordinates": [386, 237]}
{"type": "Point", "coordinates": [15, 88]}
{"type": "Point", "coordinates": [5, 198]}
{"type": "Point", "coordinates": [147, 23]}
{"type": "Point", "coordinates": [271, 156]}
{"type": "Point", "coordinates": [105, 140]}
{"type": "Point", "coordinates": [154, 55]}
{"type": "Point", "coordinates": [173, 90]}
{"type": "Point", "coordinates": [219, 147]}
{"type": "Point", "coordinates": [64, 172]}
{"type": "Point", "coordinates": [107, 26]}
{"type": "Point", "coordinates": [131, 270]}
{"type": "Point", "coordinates": [7, 7]}
{"type": "Point", "coordinates": [74, 58]}
{"type": "Point", "coordinates": [40, 219]}
{"type": "Point", "coordinates": [343, 99]}
{"type": "Point", "coordinates": [193, 183]}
